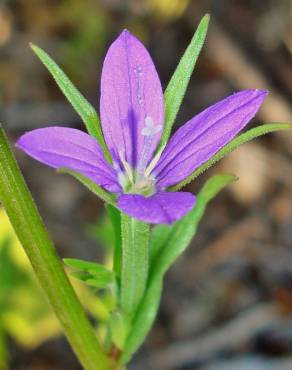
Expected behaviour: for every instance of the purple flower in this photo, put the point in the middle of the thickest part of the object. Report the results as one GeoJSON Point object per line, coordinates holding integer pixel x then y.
{"type": "Point", "coordinates": [132, 118]}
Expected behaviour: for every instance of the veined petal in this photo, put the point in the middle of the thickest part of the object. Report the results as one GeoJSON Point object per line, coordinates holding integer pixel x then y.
{"type": "Point", "coordinates": [74, 149]}
{"type": "Point", "coordinates": [201, 137]}
{"type": "Point", "coordinates": [161, 208]}
{"type": "Point", "coordinates": [130, 92]}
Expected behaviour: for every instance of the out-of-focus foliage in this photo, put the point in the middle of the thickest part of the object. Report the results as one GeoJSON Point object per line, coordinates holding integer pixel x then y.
{"type": "Point", "coordinates": [168, 10]}
{"type": "Point", "coordinates": [24, 312]}
{"type": "Point", "coordinates": [87, 24]}
{"type": "Point", "coordinates": [103, 232]}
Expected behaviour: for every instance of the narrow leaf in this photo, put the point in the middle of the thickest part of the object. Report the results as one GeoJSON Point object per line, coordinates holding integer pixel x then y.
{"type": "Point", "coordinates": [119, 328]}
{"type": "Point", "coordinates": [99, 282]}
{"type": "Point", "coordinates": [174, 241]}
{"type": "Point", "coordinates": [234, 144]}
{"type": "Point", "coordinates": [115, 217]}
{"type": "Point", "coordinates": [87, 266]}
{"type": "Point", "coordinates": [91, 273]}
{"type": "Point", "coordinates": [97, 190]}
{"type": "Point", "coordinates": [178, 84]}
{"type": "Point", "coordinates": [80, 104]}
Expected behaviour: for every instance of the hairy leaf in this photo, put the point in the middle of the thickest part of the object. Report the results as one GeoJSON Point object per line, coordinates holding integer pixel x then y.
{"type": "Point", "coordinates": [178, 84]}
{"type": "Point", "coordinates": [80, 104]}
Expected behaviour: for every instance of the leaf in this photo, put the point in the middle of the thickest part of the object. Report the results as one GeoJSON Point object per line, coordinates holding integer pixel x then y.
{"type": "Point", "coordinates": [178, 84]}
{"type": "Point", "coordinates": [166, 250]}
{"type": "Point", "coordinates": [87, 266]}
{"type": "Point", "coordinates": [234, 144]}
{"type": "Point", "coordinates": [119, 328]}
{"type": "Point", "coordinates": [91, 273]}
{"type": "Point", "coordinates": [100, 282]}
{"type": "Point", "coordinates": [92, 186]}
{"type": "Point", "coordinates": [115, 217]}
{"type": "Point", "coordinates": [80, 104]}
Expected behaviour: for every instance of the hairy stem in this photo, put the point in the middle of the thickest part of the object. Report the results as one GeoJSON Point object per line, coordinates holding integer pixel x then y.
{"type": "Point", "coordinates": [135, 256]}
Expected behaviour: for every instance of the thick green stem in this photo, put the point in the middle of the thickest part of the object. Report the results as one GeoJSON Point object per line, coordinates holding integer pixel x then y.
{"type": "Point", "coordinates": [135, 256]}
{"type": "Point", "coordinates": [35, 240]}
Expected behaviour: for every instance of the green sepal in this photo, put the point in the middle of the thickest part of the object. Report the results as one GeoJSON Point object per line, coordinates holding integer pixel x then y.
{"type": "Point", "coordinates": [178, 84]}
{"type": "Point", "coordinates": [164, 251]}
{"type": "Point", "coordinates": [91, 273]}
{"type": "Point", "coordinates": [92, 186]}
{"type": "Point", "coordinates": [85, 110]}
{"type": "Point", "coordinates": [234, 144]}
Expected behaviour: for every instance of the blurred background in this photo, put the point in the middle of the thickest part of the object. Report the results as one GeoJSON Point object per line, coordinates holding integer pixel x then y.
{"type": "Point", "coordinates": [227, 303]}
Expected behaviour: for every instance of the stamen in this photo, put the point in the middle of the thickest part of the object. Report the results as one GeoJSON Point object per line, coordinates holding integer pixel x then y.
{"type": "Point", "coordinates": [127, 167]}
{"type": "Point", "coordinates": [154, 162]}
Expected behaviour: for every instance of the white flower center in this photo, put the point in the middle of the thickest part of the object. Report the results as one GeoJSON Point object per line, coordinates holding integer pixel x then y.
{"type": "Point", "coordinates": [139, 180]}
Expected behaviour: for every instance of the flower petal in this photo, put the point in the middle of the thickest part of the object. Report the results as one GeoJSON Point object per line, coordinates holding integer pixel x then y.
{"type": "Point", "coordinates": [160, 208]}
{"type": "Point", "coordinates": [201, 137]}
{"type": "Point", "coordinates": [74, 149]}
{"type": "Point", "coordinates": [130, 92]}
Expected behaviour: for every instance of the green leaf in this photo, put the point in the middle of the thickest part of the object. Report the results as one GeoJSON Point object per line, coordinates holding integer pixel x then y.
{"type": "Point", "coordinates": [119, 327]}
{"type": "Point", "coordinates": [100, 282]}
{"type": "Point", "coordinates": [167, 248]}
{"type": "Point", "coordinates": [178, 84]}
{"type": "Point", "coordinates": [115, 217]}
{"type": "Point", "coordinates": [80, 104]}
{"type": "Point", "coordinates": [87, 266]}
{"type": "Point", "coordinates": [135, 257]}
{"type": "Point", "coordinates": [91, 273]}
{"type": "Point", "coordinates": [234, 144]}
{"type": "Point", "coordinates": [97, 190]}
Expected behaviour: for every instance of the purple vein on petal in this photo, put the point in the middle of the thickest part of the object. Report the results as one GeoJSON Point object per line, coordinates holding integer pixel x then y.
{"type": "Point", "coordinates": [130, 91]}
{"type": "Point", "coordinates": [201, 137]}
{"type": "Point", "coordinates": [70, 148]}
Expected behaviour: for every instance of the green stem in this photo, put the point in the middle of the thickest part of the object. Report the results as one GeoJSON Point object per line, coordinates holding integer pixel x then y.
{"type": "Point", "coordinates": [135, 257]}
{"type": "Point", "coordinates": [35, 240]}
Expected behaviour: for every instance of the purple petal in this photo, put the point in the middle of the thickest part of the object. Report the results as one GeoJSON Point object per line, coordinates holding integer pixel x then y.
{"type": "Point", "coordinates": [201, 137]}
{"type": "Point", "coordinates": [160, 208]}
{"type": "Point", "coordinates": [130, 92]}
{"type": "Point", "coordinates": [67, 147]}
